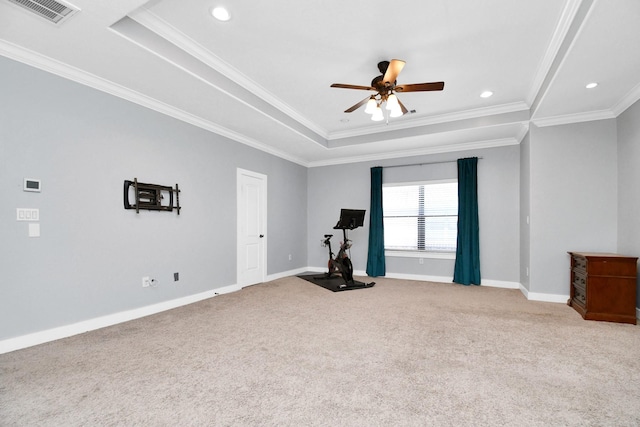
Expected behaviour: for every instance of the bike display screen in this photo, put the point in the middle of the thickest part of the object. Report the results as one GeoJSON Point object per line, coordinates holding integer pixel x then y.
{"type": "Point", "coordinates": [350, 219]}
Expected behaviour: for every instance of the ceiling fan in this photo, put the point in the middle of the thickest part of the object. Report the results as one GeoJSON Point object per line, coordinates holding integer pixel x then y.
{"type": "Point", "coordinates": [386, 88]}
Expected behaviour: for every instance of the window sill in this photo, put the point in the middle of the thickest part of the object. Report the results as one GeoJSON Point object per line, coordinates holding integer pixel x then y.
{"type": "Point", "coordinates": [420, 254]}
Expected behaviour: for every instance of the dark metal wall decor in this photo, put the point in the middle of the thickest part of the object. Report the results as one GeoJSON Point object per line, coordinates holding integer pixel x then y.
{"type": "Point", "coordinates": [150, 196]}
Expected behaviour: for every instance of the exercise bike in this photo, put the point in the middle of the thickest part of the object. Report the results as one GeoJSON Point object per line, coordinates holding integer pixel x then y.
{"type": "Point", "coordinates": [350, 219]}
{"type": "Point", "coordinates": [341, 262]}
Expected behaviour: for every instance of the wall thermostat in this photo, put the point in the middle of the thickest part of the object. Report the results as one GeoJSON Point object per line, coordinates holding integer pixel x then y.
{"type": "Point", "coordinates": [31, 184]}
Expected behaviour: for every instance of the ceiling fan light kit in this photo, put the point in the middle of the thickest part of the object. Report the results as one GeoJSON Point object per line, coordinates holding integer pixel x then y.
{"type": "Point", "coordinates": [371, 105]}
{"type": "Point", "coordinates": [386, 87]}
{"type": "Point", "coordinates": [396, 113]}
{"type": "Point", "coordinates": [377, 115]}
{"type": "Point", "coordinates": [392, 102]}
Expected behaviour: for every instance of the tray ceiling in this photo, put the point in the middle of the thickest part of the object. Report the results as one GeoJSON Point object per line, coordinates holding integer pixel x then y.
{"type": "Point", "coordinates": [262, 78]}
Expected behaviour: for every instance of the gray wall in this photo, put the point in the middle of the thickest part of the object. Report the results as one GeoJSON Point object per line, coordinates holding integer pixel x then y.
{"type": "Point", "coordinates": [629, 183]}
{"type": "Point", "coordinates": [578, 184]}
{"type": "Point", "coordinates": [92, 253]}
{"type": "Point", "coordinates": [525, 209]}
{"type": "Point", "coordinates": [348, 186]}
{"type": "Point", "coordinates": [573, 198]}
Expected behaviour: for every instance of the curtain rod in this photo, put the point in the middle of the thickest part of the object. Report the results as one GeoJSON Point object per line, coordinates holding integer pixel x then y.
{"type": "Point", "coordinates": [422, 164]}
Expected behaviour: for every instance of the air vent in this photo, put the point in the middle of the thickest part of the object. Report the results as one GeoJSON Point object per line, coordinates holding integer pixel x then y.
{"type": "Point", "coordinates": [50, 10]}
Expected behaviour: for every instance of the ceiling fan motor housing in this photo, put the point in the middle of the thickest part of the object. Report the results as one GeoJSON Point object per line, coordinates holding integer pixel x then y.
{"type": "Point", "coordinates": [383, 66]}
{"type": "Point", "coordinates": [385, 88]}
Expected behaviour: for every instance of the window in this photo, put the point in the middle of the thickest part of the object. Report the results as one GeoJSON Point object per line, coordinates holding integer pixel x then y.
{"type": "Point", "coordinates": [421, 216]}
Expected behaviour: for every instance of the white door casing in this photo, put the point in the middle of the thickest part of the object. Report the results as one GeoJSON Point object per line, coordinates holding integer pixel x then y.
{"type": "Point", "coordinates": [252, 227]}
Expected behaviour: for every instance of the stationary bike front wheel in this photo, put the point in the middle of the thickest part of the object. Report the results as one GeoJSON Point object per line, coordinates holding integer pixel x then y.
{"type": "Point", "coordinates": [347, 270]}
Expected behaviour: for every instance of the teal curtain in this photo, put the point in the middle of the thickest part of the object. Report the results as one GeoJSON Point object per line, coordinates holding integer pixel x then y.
{"type": "Point", "coordinates": [467, 266]}
{"type": "Point", "coordinates": [375, 260]}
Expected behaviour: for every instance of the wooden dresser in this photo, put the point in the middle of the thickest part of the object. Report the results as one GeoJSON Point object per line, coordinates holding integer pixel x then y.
{"type": "Point", "coordinates": [603, 286]}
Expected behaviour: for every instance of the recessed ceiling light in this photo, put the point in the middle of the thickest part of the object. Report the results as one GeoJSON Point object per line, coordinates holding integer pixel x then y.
{"type": "Point", "coordinates": [591, 85]}
{"type": "Point", "coordinates": [220, 13]}
{"type": "Point", "coordinates": [486, 94]}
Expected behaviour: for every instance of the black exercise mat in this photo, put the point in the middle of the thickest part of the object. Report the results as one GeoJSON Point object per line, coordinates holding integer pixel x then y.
{"type": "Point", "coordinates": [334, 283]}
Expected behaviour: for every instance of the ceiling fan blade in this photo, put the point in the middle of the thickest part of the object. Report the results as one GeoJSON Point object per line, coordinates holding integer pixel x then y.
{"type": "Point", "coordinates": [420, 87]}
{"type": "Point", "coordinates": [403, 108]}
{"type": "Point", "coordinates": [344, 86]}
{"type": "Point", "coordinates": [358, 105]}
{"type": "Point", "coordinates": [395, 66]}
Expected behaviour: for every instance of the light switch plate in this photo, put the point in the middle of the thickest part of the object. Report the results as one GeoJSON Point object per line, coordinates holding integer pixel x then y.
{"type": "Point", "coordinates": [27, 214]}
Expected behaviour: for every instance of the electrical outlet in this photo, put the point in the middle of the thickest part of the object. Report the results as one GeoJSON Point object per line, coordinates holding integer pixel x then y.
{"type": "Point", "coordinates": [421, 260]}
{"type": "Point", "coordinates": [146, 282]}
{"type": "Point", "coordinates": [289, 257]}
{"type": "Point", "coordinates": [176, 277]}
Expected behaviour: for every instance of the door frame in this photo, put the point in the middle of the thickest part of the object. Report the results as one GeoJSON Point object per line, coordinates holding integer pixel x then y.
{"type": "Point", "coordinates": [263, 219]}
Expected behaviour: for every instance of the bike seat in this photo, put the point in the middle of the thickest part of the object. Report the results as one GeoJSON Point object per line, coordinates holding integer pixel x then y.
{"type": "Point", "coordinates": [328, 236]}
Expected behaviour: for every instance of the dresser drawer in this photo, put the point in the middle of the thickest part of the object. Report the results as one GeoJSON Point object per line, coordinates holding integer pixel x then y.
{"type": "Point", "coordinates": [579, 286]}
{"type": "Point", "coordinates": [579, 279]}
{"type": "Point", "coordinates": [580, 296]}
{"type": "Point", "coordinates": [579, 263]}
{"type": "Point", "coordinates": [612, 267]}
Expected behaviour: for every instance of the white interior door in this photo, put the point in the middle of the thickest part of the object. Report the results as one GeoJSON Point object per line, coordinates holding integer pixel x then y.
{"type": "Point", "coordinates": [252, 227]}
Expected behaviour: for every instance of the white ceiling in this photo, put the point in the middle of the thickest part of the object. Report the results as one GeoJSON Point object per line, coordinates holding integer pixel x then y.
{"type": "Point", "coordinates": [263, 77]}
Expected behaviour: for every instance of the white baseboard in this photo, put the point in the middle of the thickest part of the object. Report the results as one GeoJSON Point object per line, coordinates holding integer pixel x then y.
{"type": "Point", "coordinates": [536, 296]}
{"type": "Point", "coordinates": [425, 278]}
{"type": "Point", "coordinates": [294, 272]}
{"type": "Point", "coordinates": [53, 334]}
{"type": "Point", "coordinates": [500, 284]}
{"type": "Point", "coordinates": [419, 277]}
{"type": "Point", "coordinates": [533, 296]}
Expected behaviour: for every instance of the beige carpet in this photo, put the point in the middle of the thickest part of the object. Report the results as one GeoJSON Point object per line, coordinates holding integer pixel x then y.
{"type": "Point", "coordinates": [289, 353]}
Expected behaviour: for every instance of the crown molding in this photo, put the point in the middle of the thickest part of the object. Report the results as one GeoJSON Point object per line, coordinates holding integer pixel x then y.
{"type": "Point", "coordinates": [626, 102]}
{"type": "Point", "coordinates": [581, 10]}
{"type": "Point", "coordinates": [222, 131]}
{"type": "Point", "coordinates": [162, 28]}
{"type": "Point", "coordinates": [448, 148]}
{"type": "Point", "coordinates": [74, 74]}
{"type": "Point", "coordinates": [574, 118]}
{"type": "Point", "coordinates": [523, 132]}
{"type": "Point", "coordinates": [558, 38]}
{"type": "Point", "coordinates": [66, 71]}
{"type": "Point", "coordinates": [431, 120]}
